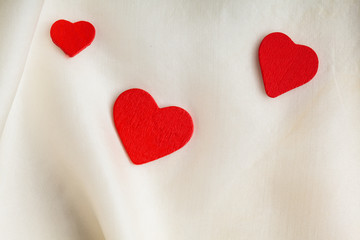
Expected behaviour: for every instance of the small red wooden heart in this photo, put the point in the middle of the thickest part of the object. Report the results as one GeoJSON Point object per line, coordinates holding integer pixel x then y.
{"type": "Point", "coordinates": [147, 131]}
{"type": "Point", "coordinates": [72, 38]}
{"type": "Point", "coordinates": [284, 64]}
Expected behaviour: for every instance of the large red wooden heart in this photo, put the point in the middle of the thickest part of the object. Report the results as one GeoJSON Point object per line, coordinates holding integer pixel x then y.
{"type": "Point", "coordinates": [147, 131]}
{"type": "Point", "coordinates": [72, 38]}
{"type": "Point", "coordinates": [284, 64]}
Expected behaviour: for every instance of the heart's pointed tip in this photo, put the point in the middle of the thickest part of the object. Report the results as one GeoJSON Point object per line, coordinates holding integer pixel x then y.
{"type": "Point", "coordinates": [70, 55]}
{"type": "Point", "coordinates": [272, 94]}
{"type": "Point", "coordinates": [138, 163]}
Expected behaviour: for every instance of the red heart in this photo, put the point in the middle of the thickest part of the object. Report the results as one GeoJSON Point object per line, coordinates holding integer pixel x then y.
{"type": "Point", "coordinates": [72, 38]}
{"type": "Point", "coordinates": [147, 131]}
{"type": "Point", "coordinates": [284, 64]}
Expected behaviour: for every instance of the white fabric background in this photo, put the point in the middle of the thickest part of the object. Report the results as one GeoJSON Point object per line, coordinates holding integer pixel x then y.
{"type": "Point", "coordinates": [256, 168]}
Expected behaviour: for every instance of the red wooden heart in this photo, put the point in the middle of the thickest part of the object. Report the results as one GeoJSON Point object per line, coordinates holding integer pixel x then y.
{"type": "Point", "coordinates": [147, 131]}
{"type": "Point", "coordinates": [284, 64]}
{"type": "Point", "coordinates": [72, 38]}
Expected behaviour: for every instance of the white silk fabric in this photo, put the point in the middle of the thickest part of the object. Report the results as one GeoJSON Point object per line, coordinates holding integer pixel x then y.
{"type": "Point", "coordinates": [256, 168]}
